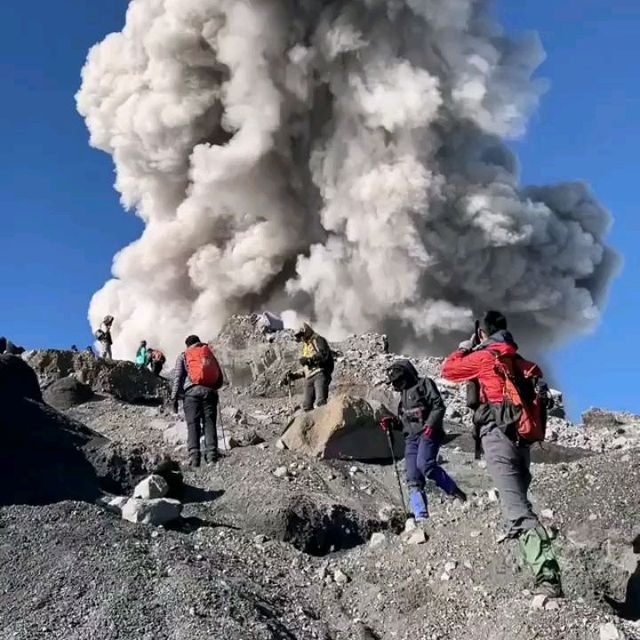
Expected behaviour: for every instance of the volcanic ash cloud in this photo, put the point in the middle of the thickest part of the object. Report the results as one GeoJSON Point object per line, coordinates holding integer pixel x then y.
{"type": "Point", "coordinates": [344, 160]}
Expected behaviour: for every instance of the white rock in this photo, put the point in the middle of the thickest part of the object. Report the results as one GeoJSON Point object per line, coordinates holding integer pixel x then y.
{"type": "Point", "coordinates": [151, 488]}
{"type": "Point", "coordinates": [547, 514]}
{"type": "Point", "coordinates": [377, 540]}
{"type": "Point", "coordinates": [609, 631]}
{"type": "Point", "coordinates": [552, 605]}
{"type": "Point", "coordinates": [539, 601]}
{"type": "Point", "coordinates": [118, 502]}
{"type": "Point", "coordinates": [280, 445]}
{"type": "Point", "coordinates": [450, 566]}
{"type": "Point", "coordinates": [155, 512]}
{"type": "Point", "coordinates": [619, 443]}
{"type": "Point", "coordinates": [493, 495]}
{"type": "Point", "coordinates": [340, 577]}
{"type": "Point", "coordinates": [445, 577]}
{"type": "Point", "coordinates": [410, 525]}
{"type": "Point", "coordinates": [417, 536]}
{"type": "Point", "coordinates": [281, 472]}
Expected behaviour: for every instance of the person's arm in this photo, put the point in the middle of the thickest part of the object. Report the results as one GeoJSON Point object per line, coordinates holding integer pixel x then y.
{"type": "Point", "coordinates": [179, 376]}
{"type": "Point", "coordinates": [461, 366]}
{"type": "Point", "coordinates": [437, 409]}
{"type": "Point", "coordinates": [323, 352]}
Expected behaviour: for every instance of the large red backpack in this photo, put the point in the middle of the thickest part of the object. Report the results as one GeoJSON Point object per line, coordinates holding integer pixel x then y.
{"type": "Point", "coordinates": [523, 408]}
{"type": "Point", "coordinates": [203, 367]}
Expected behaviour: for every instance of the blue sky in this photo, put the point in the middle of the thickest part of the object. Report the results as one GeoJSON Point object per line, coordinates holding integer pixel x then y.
{"type": "Point", "coordinates": [62, 222]}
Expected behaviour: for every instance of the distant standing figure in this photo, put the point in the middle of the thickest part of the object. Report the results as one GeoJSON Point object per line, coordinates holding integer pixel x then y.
{"type": "Point", "coordinates": [317, 368]}
{"type": "Point", "coordinates": [103, 335]}
{"type": "Point", "coordinates": [90, 350]}
{"type": "Point", "coordinates": [7, 347]}
{"type": "Point", "coordinates": [156, 361]}
{"type": "Point", "coordinates": [142, 355]}
{"type": "Point", "coordinates": [74, 349]}
{"type": "Point", "coordinates": [196, 378]}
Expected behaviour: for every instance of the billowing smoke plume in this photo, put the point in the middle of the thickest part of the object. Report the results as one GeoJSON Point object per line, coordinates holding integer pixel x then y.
{"type": "Point", "coordinates": [343, 159]}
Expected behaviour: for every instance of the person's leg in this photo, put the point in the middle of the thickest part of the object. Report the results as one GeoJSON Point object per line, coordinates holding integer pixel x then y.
{"type": "Point", "coordinates": [428, 465]}
{"type": "Point", "coordinates": [415, 479]}
{"type": "Point", "coordinates": [309, 397]}
{"type": "Point", "coordinates": [210, 417]}
{"type": "Point", "coordinates": [321, 386]}
{"type": "Point", "coordinates": [191, 405]}
{"type": "Point", "coordinates": [506, 470]}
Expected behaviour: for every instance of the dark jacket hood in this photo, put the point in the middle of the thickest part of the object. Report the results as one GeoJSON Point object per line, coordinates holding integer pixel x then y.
{"type": "Point", "coordinates": [407, 370]}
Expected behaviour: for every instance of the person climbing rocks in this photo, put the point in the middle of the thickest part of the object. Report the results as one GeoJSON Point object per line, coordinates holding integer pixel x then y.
{"type": "Point", "coordinates": [7, 347]}
{"type": "Point", "coordinates": [197, 378]}
{"type": "Point", "coordinates": [103, 335]}
{"type": "Point", "coordinates": [142, 355]}
{"type": "Point", "coordinates": [420, 416]}
{"type": "Point", "coordinates": [156, 361]}
{"type": "Point", "coordinates": [317, 365]}
{"type": "Point", "coordinates": [509, 416]}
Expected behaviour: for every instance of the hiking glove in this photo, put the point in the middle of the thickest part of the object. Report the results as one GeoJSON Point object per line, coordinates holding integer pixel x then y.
{"type": "Point", "coordinates": [428, 432]}
{"type": "Point", "coordinates": [387, 423]}
{"type": "Point", "coordinates": [466, 346]}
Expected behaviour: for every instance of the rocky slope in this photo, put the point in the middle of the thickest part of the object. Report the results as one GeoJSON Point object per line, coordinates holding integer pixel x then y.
{"type": "Point", "coordinates": [276, 544]}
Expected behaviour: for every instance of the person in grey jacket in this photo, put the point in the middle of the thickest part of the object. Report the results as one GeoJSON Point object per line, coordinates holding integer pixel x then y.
{"type": "Point", "coordinates": [200, 405]}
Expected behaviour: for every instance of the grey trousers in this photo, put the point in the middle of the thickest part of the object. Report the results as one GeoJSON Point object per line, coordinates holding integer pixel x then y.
{"type": "Point", "coordinates": [106, 350]}
{"type": "Point", "coordinates": [508, 465]}
{"type": "Point", "coordinates": [316, 391]}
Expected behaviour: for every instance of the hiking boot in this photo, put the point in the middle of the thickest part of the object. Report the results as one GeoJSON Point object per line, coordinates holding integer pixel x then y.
{"type": "Point", "coordinates": [459, 494]}
{"type": "Point", "coordinates": [194, 460]}
{"type": "Point", "coordinates": [549, 589]}
{"type": "Point", "coordinates": [213, 457]}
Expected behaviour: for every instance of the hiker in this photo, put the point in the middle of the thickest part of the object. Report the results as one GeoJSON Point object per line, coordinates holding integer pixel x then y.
{"type": "Point", "coordinates": [142, 355]}
{"type": "Point", "coordinates": [74, 349]}
{"type": "Point", "coordinates": [103, 335]}
{"type": "Point", "coordinates": [156, 361]}
{"type": "Point", "coordinates": [90, 351]}
{"type": "Point", "coordinates": [317, 368]}
{"type": "Point", "coordinates": [8, 348]}
{"type": "Point", "coordinates": [509, 416]}
{"type": "Point", "coordinates": [196, 378]}
{"type": "Point", "coordinates": [420, 416]}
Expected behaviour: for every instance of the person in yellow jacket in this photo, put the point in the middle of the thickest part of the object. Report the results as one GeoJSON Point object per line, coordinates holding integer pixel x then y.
{"type": "Point", "coordinates": [316, 368]}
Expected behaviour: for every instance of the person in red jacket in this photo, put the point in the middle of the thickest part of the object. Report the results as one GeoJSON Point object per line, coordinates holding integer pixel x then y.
{"type": "Point", "coordinates": [507, 456]}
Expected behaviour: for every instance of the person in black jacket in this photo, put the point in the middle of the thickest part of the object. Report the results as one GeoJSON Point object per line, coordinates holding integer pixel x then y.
{"type": "Point", "coordinates": [421, 413]}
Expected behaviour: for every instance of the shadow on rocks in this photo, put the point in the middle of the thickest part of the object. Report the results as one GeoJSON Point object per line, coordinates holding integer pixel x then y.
{"type": "Point", "coordinates": [629, 609]}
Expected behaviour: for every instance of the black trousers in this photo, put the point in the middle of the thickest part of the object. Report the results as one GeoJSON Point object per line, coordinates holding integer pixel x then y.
{"type": "Point", "coordinates": [201, 412]}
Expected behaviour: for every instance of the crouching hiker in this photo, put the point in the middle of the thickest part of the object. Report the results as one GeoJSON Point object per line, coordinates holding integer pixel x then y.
{"type": "Point", "coordinates": [317, 368]}
{"type": "Point", "coordinates": [197, 378]}
{"type": "Point", "coordinates": [509, 417]}
{"type": "Point", "coordinates": [156, 361]}
{"type": "Point", "coordinates": [421, 412]}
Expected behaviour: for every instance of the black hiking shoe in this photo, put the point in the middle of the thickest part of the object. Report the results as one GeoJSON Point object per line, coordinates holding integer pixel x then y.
{"type": "Point", "coordinates": [459, 494]}
{"type": "Point", "coordinates": [194, 460]}
{"type": "Point", "coordinates": [212, 458]}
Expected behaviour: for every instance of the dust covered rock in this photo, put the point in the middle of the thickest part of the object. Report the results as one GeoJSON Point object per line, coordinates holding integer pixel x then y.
{"type": "Point", "coordinates": [67, 392]}
{"type": "Point", "coordinates": [119, 378]}
{"type": "Point", "coordinates": [345, 428]}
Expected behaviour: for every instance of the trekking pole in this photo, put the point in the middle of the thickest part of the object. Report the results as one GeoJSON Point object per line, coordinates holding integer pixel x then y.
{"type": "Point", "coordinates": [395, 467]}
{"type": "Point", "coordinates": [290, 396]}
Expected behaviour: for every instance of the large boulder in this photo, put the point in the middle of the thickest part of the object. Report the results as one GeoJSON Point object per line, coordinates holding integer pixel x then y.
{"type": "Point", "coordinates": [17, 380]}
{"type": "Point", "coordinates": [67, 392]}
{"type": "Point", "coordinates": [119, 378]}
{"type": "Point", "coordinates": [345, 428]}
